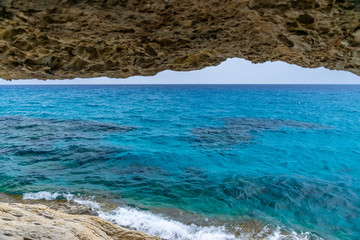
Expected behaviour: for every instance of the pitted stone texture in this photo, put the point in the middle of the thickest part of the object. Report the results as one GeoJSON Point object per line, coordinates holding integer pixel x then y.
{"type": "Point", "coordinates": [55, 39]}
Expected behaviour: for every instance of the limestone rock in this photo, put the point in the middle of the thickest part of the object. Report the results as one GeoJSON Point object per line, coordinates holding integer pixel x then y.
{"type": "Point", "coordinates": [28, 221]}
{"type": "Point", "coordinates": [120, 38]}
{"type": "Point", "coordinates": [62, 205]}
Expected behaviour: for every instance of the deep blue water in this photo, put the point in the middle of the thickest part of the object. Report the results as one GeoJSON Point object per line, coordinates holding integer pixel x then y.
{"type": "Point", "coordinates": [286, 156]}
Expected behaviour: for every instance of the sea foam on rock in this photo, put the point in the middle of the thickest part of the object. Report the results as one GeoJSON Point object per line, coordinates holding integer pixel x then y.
{"type": "Point", "coordinates": [38, 221]}
{"type": "Point", "coordinates": [33, 221]}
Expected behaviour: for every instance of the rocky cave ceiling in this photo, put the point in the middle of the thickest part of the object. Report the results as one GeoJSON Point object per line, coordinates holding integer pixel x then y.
{"type": "Point", "coordinates": [62, 39]}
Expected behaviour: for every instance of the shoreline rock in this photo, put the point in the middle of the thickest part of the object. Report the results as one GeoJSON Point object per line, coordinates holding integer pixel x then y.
{"type": "Point", "coordinates": [61, 205]}
{"type": "Point", "coordinates": [36, 221]}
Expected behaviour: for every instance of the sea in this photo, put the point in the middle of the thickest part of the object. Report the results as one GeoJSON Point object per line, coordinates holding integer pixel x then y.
{"type": "Point", "coordinates": [190, 162]}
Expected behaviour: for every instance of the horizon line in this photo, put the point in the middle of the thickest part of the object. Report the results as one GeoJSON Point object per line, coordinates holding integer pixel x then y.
{"type": "Point", "coordinates": [69, 84]}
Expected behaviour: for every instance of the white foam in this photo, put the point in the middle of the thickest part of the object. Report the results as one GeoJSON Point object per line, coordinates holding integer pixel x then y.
{"type": "Point", "coordinates": [41, 195]}
{"type": "Point", "coordinates": [277, 235]}
{"type": "Point", "coordinates": [89, 202]}
{"type": "Point", "coordinates": [165, 227]}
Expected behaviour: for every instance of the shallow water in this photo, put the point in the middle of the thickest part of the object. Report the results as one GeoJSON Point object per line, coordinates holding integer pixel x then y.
{"type": "Point", "coordinates": [191, 162]}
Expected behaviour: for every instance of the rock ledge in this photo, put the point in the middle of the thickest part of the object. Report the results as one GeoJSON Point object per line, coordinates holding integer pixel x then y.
{"type": "Point", "coordinates": [34, 221]}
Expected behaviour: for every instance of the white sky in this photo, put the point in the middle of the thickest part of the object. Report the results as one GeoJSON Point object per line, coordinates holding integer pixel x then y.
{"type": "Point", "coordinates": [232, 71]}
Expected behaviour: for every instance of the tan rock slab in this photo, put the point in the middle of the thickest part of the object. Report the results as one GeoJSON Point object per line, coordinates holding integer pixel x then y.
{"type": "Point", "coordinates": [35, 222]}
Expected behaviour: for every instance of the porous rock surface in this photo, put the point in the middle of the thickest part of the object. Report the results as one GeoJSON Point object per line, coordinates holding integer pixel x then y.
{"type": "Point", "coordinates": [57, 39]}
{"type": "Point", "coordinates": [33, 221]}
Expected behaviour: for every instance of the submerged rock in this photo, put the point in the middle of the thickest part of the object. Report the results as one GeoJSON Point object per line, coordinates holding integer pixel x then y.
{"type": "Point", "coordinates": [244, 130]}
{"type": "Point", "coordinates": [34, 221]}
{"type": "Point", "coordinates": [122, 38]}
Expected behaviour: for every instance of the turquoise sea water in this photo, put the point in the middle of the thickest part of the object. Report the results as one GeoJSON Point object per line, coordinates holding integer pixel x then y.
{"type": "Point", "coordinates": [191, 162]}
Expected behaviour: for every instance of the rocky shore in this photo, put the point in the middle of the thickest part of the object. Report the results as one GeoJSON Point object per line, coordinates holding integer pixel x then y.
{"type": "Point", "coordinates": [27, 221]}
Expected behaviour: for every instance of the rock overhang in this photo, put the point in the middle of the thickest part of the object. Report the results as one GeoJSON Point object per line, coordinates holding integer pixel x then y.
{"type": "Point", "coordinates": [51, 39]}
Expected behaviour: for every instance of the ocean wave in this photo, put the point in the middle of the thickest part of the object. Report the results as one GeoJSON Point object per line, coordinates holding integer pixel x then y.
{"type": "Point", "coordinates": [164, 227]}
{"type": "Point", "coordinates": [42, 195]}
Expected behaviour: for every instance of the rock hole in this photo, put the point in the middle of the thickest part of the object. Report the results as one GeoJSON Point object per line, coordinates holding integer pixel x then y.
{"type": "Point", "coordinates": [15, 64]}
{"type": "Point", "coordinates": [306, 19]}
{"type": "Point", "coordinates": [150, 51]}
{"type": "Point", "coordinates": [299, 32]}
{"type": "Point", "coordinates": [285, 41]}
